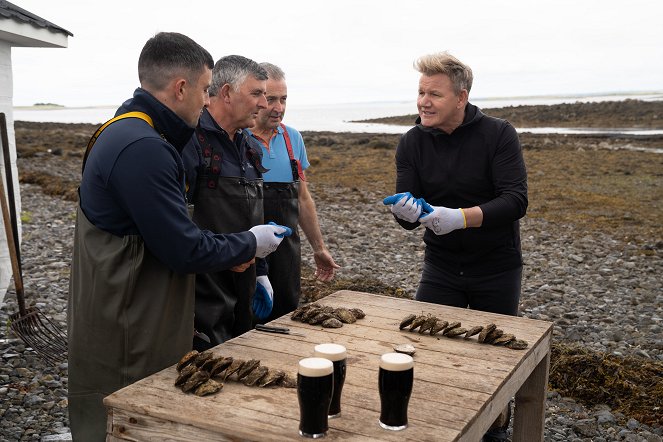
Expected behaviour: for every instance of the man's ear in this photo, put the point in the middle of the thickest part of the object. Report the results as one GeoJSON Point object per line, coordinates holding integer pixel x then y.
{"type": "Point", "coordinates": [463, 98]}
{"type": "Point", "coordinates": [224, 92]}
{"type": "Point", "coordinates": [179, 87]}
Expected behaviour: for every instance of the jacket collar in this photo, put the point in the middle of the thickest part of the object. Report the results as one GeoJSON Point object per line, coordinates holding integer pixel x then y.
{"type": "Point", "coordinates": [166, 122]}
{"type": "Point", "coordinates": [472, 115]}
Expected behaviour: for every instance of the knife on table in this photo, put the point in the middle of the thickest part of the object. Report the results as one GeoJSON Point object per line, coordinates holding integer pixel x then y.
{"type": "Point", "coordinates": [273, 329]}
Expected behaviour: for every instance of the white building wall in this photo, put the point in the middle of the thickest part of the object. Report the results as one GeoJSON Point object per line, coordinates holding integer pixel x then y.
{"type": "Point", "coordinates": [6, 106]}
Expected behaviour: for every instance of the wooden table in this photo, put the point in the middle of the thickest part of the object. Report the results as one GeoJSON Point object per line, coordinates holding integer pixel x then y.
{"type": "Point", "coordinates": [460, 385]}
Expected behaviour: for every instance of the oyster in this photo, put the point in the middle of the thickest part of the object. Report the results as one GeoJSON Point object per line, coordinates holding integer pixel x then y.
{"type": "Point", "coordinates": [473, 331]}
{"type": "Point", "coordinates": [288, 381]}
{"type": "Point", "coordinates": [345, 315]}
{"type": "Point", "coordinates": [457, 331]}
{"type": "Point", "coordinates": [493, 335]}
{"type": "Point", "coordinates": [517, 344]}
{"type": "Point", "coordinates": [247, 368]}
{"type": "Point", "coordinates": [504, 339]}
{"type": "Point", "coordinates": [408, 349]}
{"type": "Point", "coordinates": [310, 314]}
{"type": "Point", "coordinates": [232, 368]}
{"type": "Point", "coordinates": [320, 317]}
{"type": "Point", "coordinates": [450, 327]}
{"type": "Point", "coordinates": [208, 387]}
{"type": "Point", "coordinates": [255, 375]}
{"type": "Point", "coordinates": [209, 364]}
{"type": "Point", "coordinates": [297, 314]}
{"type": "Point", "coordinates": [195, 380]}
{"type": "Point", "coordinates": [185, 373]}
{"type": "Point", "coordinates": [272, 377]}
{"type": "Point", "coordinates": [358, 313]}
{"type": "Point", "coordinates": [407, 321]}
{"type": "Point", "coordinates": [428, 324]}
{"type": "Point", "coordinates": [419, 320]}
{"type": "Point", "coordinates": [332, 323]}
{"type": "Point", "coordinates": [221, 365]}
{"type": "Point", "coordinates": [202, 357]}
{"type": "Point", "coordinates": [487, 329]}
{"type": "Point", "coordinates": [438, 327]}
{"type": "Point", "coordinates": [186, 359]}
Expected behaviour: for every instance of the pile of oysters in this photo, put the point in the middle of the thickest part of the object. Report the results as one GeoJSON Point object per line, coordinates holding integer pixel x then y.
{"type": "Point", "coordinates": [488, 334]}
{"type": "Point", "coordinates": [204, 373]}
{"type": "Point", "coordinates": [327, 316]}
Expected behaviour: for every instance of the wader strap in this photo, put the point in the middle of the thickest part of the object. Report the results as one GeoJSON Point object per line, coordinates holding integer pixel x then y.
{"type": "Point", "coordinates": [143, 116]}
{"type": "Point", "coordinates": [297, 172]}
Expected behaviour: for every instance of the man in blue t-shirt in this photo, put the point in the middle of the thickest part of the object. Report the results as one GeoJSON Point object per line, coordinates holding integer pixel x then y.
{"type": "Point", "coordinates": [286, 198]}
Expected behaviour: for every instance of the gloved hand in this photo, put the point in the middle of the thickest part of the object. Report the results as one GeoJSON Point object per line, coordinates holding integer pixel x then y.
{"type": "Point", "coordinates": [404, 206]}
{"type": "Point", "coordinates": [263, 298]}
{"type": "Point", "coordinates": [268, 237]}
{"type": "Point", "coordinates": [442, 220]}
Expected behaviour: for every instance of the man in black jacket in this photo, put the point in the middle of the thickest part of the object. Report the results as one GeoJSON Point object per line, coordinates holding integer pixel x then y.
{"type": "Point", "coordinates": [461, 174]}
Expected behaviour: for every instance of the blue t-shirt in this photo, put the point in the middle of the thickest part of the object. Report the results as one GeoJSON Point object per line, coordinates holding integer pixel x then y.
{"type": "Point", "coordinates": [276, 158]}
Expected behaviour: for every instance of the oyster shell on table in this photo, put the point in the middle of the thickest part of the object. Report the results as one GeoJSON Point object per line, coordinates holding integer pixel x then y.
{"type": "Point", "coordinates": [201, 358]}
{"type": "Point", "coordinates": [255, 375]}
{"type": "Point", "coordinates": [517, 344]}
{"type": "Point", "coordinates": [493, 335]}
{"type": "Point", "coordinates": [358, 313]}
{"type": "Point", "coordinates": [247, 367]}
{"type": "Point", "coordinates": [185, 374]}
{"type": "Point", "coordinates": [438, 327]}
{"type": "Point", "coordinates": [186, 359]}
{"type": "Point", "coordinates": [450, 327]}
{"type": "Point", "coordinates": [407, 349]}
{"type": "Point", "coordinates": [235, 365]}
{"type": "Point", "coordinates": [209, 363]}
{"type": "Point", "coordinates": [419, 320]}
{"type": "Point", "coordinates": [310, 314]}
{"type": "Point", "coordinates": [487, 329]}
{"type": "Point", "coordinates": [428, 324]}
{"type": "Point", "coordinates": [504, 339]}
{"type": "Point", "coordinates": [407, 321]}
{"type": "Point", "coordinates": [271, 378]}
{"type": "Point", "coordinates": [473, 331]}
{"type": "Point", "coordinates": [210, 386]}
{"type": "Point", "coordinates": [345, 315]}
{"type": "Point", "coordinates": [332, 323]}
{"type": "Point", "coordinates": [319, 318]}
{"type": "Point", "coordinates": [195, 380]}
{"type": "Point", "coordinates": [288, 381]}
{"type": "Point", "coordinates": [456, 331]}
{"type": "Point", "coordinates": [221, 365]}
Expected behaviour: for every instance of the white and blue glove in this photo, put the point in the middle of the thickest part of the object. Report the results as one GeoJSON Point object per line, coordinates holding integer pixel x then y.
{"type": "Point", "coordinates": [263, 298]}
{"type": "Point", "coordinates": [268, 237]}
{"type": "Point", "coordinates": [441, 220]}
{"type": "Point", "coordinates": [404, 206]}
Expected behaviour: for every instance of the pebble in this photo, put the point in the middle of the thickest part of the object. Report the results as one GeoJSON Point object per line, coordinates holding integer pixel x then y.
{"type": "Point", "coordinates": [601, 292]}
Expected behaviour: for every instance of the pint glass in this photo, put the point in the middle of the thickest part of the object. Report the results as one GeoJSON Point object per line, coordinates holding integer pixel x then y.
{"type": "Point", "coordinates": [395, 385]}
{"type": "Point", "coordinates": [315, 385]}
{"type": "Point", "coordinates": [337, 355]}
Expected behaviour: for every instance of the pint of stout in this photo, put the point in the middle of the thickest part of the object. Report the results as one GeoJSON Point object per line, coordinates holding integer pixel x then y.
{"type": "Point", "coordinates": [395, 385]}
{"type": "Point", "coordinates": [315, 384]}
{"type": "Point", "coordinates": [336, 353]}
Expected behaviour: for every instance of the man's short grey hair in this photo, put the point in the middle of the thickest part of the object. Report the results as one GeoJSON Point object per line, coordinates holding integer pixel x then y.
{"type": "Point", "coordinates": [459, 73]}
{"type": "Point", "coordinates": [273, 72]}
{"type": "Point", "coordinates": [233, 70]}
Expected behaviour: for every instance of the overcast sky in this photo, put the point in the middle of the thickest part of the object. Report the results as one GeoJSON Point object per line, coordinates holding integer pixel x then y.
{"type": "Point", "coordinates": [352, 50]}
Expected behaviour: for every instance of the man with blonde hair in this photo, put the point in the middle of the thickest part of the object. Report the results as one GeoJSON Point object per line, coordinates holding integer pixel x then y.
{"type": "Point", "coordinates": [461, 174]}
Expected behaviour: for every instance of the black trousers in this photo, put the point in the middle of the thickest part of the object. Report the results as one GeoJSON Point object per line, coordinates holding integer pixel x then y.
{"type": "Point", "coordinates": [495, 293]}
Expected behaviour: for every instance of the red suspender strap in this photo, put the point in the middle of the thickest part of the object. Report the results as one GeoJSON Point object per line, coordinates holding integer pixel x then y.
{"type": "Point", "coordinates": [288, 146]}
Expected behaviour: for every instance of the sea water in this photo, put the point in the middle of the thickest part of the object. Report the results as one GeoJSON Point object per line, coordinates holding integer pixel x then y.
{"type": "Point", "coordinates": [343, 117]}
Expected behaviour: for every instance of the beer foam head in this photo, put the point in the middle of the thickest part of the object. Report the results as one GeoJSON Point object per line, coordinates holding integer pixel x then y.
{"type": "Point", "coordinates": [315, 367]}
{"type": "Point", "coordinates": [396, 362]}
{"type": "Point", "coordinates": [333, 352]}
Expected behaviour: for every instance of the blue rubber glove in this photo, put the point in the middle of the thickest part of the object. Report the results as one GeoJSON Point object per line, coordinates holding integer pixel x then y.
{"type": "Point", "coordinates": [441, 220]}
{"type": "Point", "coordinates": [263, 298]}
{"type": "Point", "coordinates": [268, 237]}
{"type": "Point", "coordinates": [404, 206]}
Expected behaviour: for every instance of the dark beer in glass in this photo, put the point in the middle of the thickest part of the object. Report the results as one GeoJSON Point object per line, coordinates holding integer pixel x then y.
{"type": "Point", "coordinates": [315, 384]}
{"type": "Point", "coordinates": [336, 353]}
{"type": "Point", "coordinates": [395, 386]}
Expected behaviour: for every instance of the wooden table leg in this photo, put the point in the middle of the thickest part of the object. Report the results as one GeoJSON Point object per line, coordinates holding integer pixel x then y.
{"type": "Point", "coordinates": [529, 412]}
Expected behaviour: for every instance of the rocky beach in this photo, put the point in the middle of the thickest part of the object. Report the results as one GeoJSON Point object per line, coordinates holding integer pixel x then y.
{"type": "Point", "coordinates": [592, 243]}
